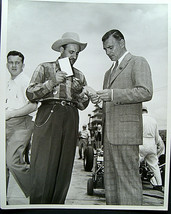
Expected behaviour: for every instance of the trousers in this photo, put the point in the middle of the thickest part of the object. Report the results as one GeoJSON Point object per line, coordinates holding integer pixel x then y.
{"type": "Point", "coordinates": [83, 143]}
{"type": "Point", "coordinates": [18, 135]}
{"type": "Point", "coordinates": [148, 153]}
{"type": "Point", "coordinates": [122, 181]}
{"type": "Point", "coordinates": [52, 154]}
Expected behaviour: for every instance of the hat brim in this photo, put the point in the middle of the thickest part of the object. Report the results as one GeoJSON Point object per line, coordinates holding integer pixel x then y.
{"type": "Point", "coordinates": [59, 43]}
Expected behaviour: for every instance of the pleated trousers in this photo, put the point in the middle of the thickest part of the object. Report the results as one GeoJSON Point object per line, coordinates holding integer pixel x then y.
{"type": "Point", "coordinates": [52, 154]}
{"type": "Point", "coordinates": [18, 136]}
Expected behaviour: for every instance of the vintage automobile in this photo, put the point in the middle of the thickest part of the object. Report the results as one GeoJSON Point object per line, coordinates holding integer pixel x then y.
{"type": "Point", "coordinates": [97, 179]}
{"type": "Point", "coordinates": [88, 160]}
{"type": "Point", "coordinates": [148, 175]}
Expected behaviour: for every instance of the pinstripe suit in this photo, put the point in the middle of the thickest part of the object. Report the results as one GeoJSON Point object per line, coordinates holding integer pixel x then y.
{"type": "Point", "coordinates": [132, 85]}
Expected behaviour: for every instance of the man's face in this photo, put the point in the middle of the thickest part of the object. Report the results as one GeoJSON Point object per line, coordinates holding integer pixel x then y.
{"type": "Point", "coordinates": [15, 66]}
{"type": "Point", "coordinates": [71, 51]}
{"type": "Point", "coordinates": [113, 48]}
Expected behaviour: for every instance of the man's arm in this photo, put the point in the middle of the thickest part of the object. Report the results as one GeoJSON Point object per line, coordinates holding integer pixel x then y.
{"type": "Point", "coordinates": [23, 111]}
{"type": "Point", "coordinates": [82, 97]}
{"type": "Point", "coordinates": [159, 142]}
{"type": "Point", "coordinates": [39, 86]}
{"type": "Point", "coordinates": [142, 90]}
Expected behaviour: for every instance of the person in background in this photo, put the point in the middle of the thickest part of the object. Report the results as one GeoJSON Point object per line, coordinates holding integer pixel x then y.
{"type": "Point", "coordinates": [152, 146]}
{"type": "Point", "coordinates": [99, 136]}
{"type": "Point", "coordinates": [127, 84]}
{"type": "Point", "coordinates": [84, 140]}
{"type": "Point", "coordinates": [19, 124]}
{"type": "Point", "coordinates": [56, 125]}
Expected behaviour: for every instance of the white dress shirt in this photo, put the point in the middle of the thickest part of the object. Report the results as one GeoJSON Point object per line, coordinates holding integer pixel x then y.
{"type": "Point", "coordinates": [16, 92]}
{"type": "Point", "coordinates": [119, 61]}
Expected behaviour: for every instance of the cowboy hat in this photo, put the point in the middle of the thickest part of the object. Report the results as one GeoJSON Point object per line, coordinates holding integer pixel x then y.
{"type": "Point", "coordinates": [68, 38]}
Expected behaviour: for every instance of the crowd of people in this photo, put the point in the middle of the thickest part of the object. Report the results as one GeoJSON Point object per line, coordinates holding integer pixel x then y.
{"type": "Point", "coordinates": [56, 99]}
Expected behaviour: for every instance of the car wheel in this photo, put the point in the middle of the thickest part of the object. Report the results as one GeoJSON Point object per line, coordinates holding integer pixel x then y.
{"type": "Point", "coordinates": [90, 186]}
{"type": "Point", "coordinates": [88, 159]}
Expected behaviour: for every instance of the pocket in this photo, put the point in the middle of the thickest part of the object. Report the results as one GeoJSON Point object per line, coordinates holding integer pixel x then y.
{"type": "Point", "coordinates": [43, 115]}
{"type": "Point", "coordinates": [129, 118]}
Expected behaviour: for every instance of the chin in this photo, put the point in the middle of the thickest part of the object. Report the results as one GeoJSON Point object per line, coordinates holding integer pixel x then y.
{"type": "Point", "coordinates": [72, 62]}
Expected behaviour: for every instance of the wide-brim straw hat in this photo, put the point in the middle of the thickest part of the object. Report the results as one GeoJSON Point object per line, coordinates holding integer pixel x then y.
{"type": "Point", "coordinates": [68, 38]}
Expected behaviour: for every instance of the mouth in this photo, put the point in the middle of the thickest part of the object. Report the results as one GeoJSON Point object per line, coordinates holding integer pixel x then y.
{"type": "Point", "coordinates": [112, 58]}
{"type": "Point", "coordinates": [72, 61]}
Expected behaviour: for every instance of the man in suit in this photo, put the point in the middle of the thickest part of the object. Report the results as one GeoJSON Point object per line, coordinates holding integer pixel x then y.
{"type": "Point", "coordinates": [126, 85]}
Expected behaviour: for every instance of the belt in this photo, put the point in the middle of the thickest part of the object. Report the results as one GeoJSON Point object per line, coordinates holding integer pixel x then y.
{"type": "Point", "coordinates": [62, 102]}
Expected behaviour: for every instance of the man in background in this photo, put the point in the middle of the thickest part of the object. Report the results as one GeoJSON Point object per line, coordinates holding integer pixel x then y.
{"type": "Point", "coordinates": [19, 124]}
{"type": "Point", "coordinates": [84, 140]}
{"type": "Point", "coordinates": [152, 146]}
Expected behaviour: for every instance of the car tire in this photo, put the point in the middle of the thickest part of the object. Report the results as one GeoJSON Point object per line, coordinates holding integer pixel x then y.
{"type": "Point", "coordinates": [90, 186]}
{"type": "Point", "coordinates": [88, 158]}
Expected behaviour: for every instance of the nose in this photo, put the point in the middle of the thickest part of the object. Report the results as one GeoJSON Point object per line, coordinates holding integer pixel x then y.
{"type": "Point", "coordinates": [108, 52]}
{"type": "Point", "coordinates": [74, 55]}
{"type": "Point", "coordinates": [13, 65]}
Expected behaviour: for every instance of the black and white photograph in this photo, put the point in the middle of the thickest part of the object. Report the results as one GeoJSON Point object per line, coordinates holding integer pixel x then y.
{"type": "Point", "coordinates": [85, 89]}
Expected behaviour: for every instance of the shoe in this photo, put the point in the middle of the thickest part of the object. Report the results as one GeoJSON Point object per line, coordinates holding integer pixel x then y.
{"type": "Point", "coordinates": [158, 187]}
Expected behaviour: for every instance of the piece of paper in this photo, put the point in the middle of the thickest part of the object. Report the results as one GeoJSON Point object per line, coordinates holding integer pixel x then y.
{"type": "Point", "coordinates": [89, 90]}
{"type": "Point", "coordinates": [66, 66]}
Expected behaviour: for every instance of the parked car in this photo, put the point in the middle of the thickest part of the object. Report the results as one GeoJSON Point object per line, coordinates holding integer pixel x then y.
{"type": "Point", "coordinates": [97, 179]}
{"type": "Point", "coordinates": [88, 160]}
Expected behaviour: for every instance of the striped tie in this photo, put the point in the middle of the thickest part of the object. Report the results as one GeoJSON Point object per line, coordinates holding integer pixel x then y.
{"type": "Point", "coordinates": [113, 71]}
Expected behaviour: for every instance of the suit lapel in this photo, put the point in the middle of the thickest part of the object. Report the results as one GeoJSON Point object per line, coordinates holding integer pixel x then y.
{"type": "Point", "coordinates": [121, 67]}
{"type": "Point", "coordinates": [106, 79]}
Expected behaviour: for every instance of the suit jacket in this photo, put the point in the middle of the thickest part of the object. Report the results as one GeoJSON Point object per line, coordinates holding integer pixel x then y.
{"type": "Point", "coordinates": [132, 85]}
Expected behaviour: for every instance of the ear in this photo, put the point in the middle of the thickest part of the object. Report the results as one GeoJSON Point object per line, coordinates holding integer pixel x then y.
{"type": "Point", "coordinates": [23, 66]}
{"type": "Point", "coordinates": [61, 50]}
{"type": "Point", "coordinates": [122, 43]}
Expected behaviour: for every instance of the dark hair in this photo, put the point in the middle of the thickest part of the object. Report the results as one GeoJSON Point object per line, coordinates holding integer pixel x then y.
{"type": "Point", "coordinates": [16, 53]}
{"type": "Point", "coordinates": [115, 33]}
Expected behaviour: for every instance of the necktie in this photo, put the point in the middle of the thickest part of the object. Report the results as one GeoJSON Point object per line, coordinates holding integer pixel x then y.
{"type": "Point", "coordinates": [113, 71]}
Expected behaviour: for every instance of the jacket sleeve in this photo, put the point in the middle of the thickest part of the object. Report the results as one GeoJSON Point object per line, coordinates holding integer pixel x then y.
{"type": "Point", "coordinates": [143, 87]}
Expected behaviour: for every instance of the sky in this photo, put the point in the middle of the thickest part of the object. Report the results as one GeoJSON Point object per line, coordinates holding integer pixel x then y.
{"type": "Point", "coordinates": [33, 26]}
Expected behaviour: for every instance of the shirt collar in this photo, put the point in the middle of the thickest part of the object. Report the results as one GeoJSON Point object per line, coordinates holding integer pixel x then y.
{"type": "Point", "coordinates": [119, 60]}
{"type": "Point", "coordinates": [19, 78]}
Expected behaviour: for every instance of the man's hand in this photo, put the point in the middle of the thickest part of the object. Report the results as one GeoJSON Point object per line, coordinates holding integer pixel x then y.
{"type": "Point", "coordinates": [77, 86]}
{"type": "Point", "coordinates": [94, 98]}
{"type": "Point", "coordinates": [60, 77]}
{"type": "Point", "coordinates": [105, 95]}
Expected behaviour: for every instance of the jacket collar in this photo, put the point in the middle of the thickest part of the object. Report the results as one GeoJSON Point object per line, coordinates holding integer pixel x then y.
{"type": "Point", "coordinates": [121, 67]}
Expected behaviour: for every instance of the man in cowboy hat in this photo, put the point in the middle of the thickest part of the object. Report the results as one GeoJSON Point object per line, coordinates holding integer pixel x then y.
{"type": "Point", "coordinates": [56, 125]}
